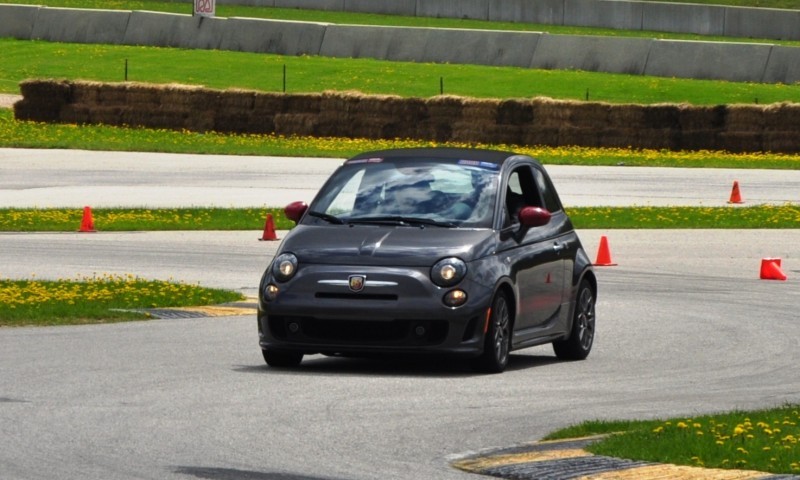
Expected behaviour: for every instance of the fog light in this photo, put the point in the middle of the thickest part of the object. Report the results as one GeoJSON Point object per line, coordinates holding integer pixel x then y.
{"type": "Point", "coordinates": [419, 331]}
{"type": "Point", "coordinates": [455, 298]}
{"type": "Point", "coordinates": [294, 327]}
{"type": "Point", "coordinates": [272, 292]}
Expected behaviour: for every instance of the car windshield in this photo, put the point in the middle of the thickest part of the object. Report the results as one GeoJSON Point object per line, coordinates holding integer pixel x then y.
{"type": "Point", "coordinates": [419, 192]}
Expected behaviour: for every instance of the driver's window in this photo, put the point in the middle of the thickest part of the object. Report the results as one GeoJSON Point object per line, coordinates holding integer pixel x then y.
{"type": "Point", "coordinates": [521, 192]}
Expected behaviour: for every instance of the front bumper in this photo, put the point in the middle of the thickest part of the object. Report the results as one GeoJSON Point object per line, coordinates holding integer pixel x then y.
{"type": "Point", "coordinates": [399, 310]}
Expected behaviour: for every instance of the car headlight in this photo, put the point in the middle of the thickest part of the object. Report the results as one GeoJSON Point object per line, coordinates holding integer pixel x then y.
{"type": "Point", "coordinates": [448, 271]}
{"type": "Point", "coordinates": [284, 267]}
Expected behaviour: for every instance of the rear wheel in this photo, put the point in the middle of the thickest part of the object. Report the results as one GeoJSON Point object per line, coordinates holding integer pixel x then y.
{"type": "Point", "coordinates": [497, 341]}
{"type": "Point", "coordinates": [277, 358]}
{"type": "Point", "coordinates": [579, 343]}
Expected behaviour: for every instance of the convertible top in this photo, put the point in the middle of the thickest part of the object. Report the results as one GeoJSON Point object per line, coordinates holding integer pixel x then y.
{"type": "Point", "coordinates": [492, 156]}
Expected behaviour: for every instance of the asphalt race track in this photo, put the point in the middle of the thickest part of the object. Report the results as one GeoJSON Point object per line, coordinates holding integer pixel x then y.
{"type": "Point", "coordinates": [685, 326]}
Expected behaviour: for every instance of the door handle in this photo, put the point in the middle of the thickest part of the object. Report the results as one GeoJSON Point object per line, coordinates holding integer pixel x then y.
{"type": "Point", "coordinates": [558, 247]}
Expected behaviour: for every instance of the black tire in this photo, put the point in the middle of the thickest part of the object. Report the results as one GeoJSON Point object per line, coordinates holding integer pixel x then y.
{"type": "Point", "coordinates": [581, 337]}
{"type": "Point", "coordinates": [278, 358]}
{"type": "Point", "coordinates": [497, 341]}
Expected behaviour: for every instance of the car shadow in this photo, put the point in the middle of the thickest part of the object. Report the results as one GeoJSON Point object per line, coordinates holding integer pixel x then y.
{"type": "Point", "coordinates": [389, 366]}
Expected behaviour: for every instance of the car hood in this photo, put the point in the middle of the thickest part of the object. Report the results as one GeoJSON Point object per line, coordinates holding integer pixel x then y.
{"type": "Point", "coordinates": [386, 245]}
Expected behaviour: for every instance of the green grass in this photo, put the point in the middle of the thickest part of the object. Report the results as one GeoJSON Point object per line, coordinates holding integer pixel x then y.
{"type": "Point", "coordinates": [763, 440]}
{"type": "Point", "coordinates": [729, 217]}
{"type": "Point", "coordinates": [113, 220]}
{"type": "Point", "coordinates": [224, 69]}
{"type": "Point", "coordinates": [132, 219]}
{"type": "Point", "coordinates": [355, 18]}
{"type": "Point", "coordinates": [97, 299]}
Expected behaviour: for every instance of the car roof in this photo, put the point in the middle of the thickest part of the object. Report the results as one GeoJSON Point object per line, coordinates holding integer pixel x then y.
{"type": "Point", "coordinates": [484, 155]}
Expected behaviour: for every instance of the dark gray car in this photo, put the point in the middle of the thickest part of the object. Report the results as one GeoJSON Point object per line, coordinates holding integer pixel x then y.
{"type": "Point", "coordinates": [455, 251]}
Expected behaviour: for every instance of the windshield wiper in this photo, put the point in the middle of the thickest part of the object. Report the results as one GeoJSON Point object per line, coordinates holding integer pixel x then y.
{"type": "Point", "coordinates": [328, 218]}
{"type": "Point", "coordinates": [401, 220]}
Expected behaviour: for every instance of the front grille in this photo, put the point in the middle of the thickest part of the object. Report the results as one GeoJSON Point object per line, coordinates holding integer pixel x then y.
{"type": "Point", "coordinates": [357, 296]}
{"type": "Point", "coordinates": [358, 332]}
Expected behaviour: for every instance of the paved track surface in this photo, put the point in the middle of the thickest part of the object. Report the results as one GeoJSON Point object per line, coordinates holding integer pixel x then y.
{"type": "Point", "coordinates": [74, 178]}
{"type": "Point", "coordinates": [685, 327]}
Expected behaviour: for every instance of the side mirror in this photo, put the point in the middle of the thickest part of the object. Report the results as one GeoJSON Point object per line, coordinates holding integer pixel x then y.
{"type": "Point", "coordinates": [531, 217]}
{"type": "Point", "coordinates": [295, 211]}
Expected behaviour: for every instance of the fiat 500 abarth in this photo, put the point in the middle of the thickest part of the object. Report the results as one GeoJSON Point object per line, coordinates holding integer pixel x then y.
{"type": "Point", "coordinates": [456, 251]}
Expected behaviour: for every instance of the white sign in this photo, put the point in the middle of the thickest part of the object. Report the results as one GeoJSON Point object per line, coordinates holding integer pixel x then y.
{"type": "Point", "coordinates": [205, 8]}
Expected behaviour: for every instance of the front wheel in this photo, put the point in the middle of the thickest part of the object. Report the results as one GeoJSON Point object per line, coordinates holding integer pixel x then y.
{"type": "Point", "coordinates": [277, 358]}
{"type": "Point", "coordinates": [497, 341]}
{"type": "Point", "coordinates": [581, 337]}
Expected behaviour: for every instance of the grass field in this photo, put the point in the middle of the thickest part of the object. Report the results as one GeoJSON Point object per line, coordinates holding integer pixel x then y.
{"type": "Point", "coordinates": [224, 69]}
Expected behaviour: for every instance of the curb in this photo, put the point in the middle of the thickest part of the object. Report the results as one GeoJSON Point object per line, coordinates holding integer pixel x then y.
{"type": "Point", "coordinates": [246, 307]}
{"type": "Point", "coordinates": [567, 459]}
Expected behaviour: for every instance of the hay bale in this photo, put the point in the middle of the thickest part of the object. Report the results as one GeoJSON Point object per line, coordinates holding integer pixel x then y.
{"type": "Point", "coordinates": [201, 122]}
{"type": "Point", "coordinates": [698, 139]}
{"type": "Point", "coordinates": [57, 92]}
{"type": "Point", "coordinates": [111, 94]}
{"type": "Point", "coordinates": [782, 116]}
{"type": "Point", "coordinates": [308, 103]}
{"type": "Point", "coordinates": [26, 110]}
{"type": "Point", "coordinates": [270, 103]}
{"type": "Point", "coordinates": [551, 113]}
{"type": "Point", "coordinates": [535, 134]}
{"type": "Point", "coordinates": [140, 95]}
{"type": "Point", "coordinates": [578, 136]}
{"type": "Point", "coordinates": [515, 112]}
{"type": "Point", "coordinates": [445, 107]}
{"type": "Point", "coordinates": [745, 118]}
{"type": "Point", "coordinates": [656, 138]}
{"type": "Point", "coordinates": [111, 115]}
{"type": "Point", "coordinates": [740, 142]}
{"type": "Point", "coordinates": [86, 92]}
{"type": "Point", "coordinates": [296, 123]}
{"type": "Point", "coordinates": [75, 113]}
{"type": "Point", "coordinates": [661, 116]}
{"type": "Point", "coordinates": [470, 131]}
{"type": "Point", "coordinates": [616, 137]}
{"type": "Point", "coordinates": [236, 100]}
{"type": "Point", "coordinates": [781, 142]}
{"type": "Point", "coordinates": [626, 115]}
{"type": "Point", "coordinates": [378, 105]}
{"type": "Point", "coordinates": [483, 111]}
{"type": "Point", "coordinates": [691, 117]}
{"type": "Point", "coordinates": [588, 114]}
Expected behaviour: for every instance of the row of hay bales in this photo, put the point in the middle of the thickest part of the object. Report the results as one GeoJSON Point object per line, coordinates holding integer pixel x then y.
{"type": "Point", "coordinates": [536, 121]}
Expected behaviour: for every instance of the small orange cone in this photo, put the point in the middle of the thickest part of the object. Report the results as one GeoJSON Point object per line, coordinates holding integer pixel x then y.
{"type": "Point", "coordinates": [736, 195]}
{"type": "Point", "coordinates": [604, 254]}
{"type": "Point", "coordinates": [87, 224]}
{"type": "Point", "coordinates": [269, 229]}
{"type": "Point", "coordinates": [771, 269]}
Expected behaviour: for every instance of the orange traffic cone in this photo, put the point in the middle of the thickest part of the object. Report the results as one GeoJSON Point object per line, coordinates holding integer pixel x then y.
{"type": "Point", "coordinates": [269, 229]}
{"type": "Point", "coordinates": [604, 254]}
{"type": "Point", "coordinates": [87, 224]}
{"type": "Point", "coordinates": [736, 195]}
{"type": "Point", "coordinates": [771, 269]}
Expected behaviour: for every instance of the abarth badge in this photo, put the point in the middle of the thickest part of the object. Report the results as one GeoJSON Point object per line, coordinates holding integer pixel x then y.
{"type": "Point", "coordinates": [356, 282]}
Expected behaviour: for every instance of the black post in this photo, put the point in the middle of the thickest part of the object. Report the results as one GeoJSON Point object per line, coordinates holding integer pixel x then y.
{"type": "Point", "coordinates": [587, 94]}
{"type": "Point", "coordinates": [126, 69]}
{"type": "Point", "coordinates": [284, 78]}
{"type": "Point", "coordinates": [441, 85]}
